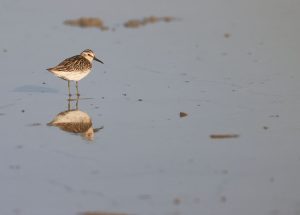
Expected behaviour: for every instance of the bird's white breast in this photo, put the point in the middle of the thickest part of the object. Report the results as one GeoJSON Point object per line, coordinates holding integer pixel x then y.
{"type": "Point", "coordinates": [72, 76]}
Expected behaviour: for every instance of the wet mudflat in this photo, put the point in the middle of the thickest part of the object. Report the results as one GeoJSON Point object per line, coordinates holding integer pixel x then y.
{"type": "Point", "coordinates": [194, 116]}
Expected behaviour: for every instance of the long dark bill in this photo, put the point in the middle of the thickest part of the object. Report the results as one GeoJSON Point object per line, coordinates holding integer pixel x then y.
{"type": "Point", "coordinates": [96, 59]}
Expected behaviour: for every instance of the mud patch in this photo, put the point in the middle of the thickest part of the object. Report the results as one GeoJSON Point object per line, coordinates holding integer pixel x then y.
{"type": "Point", "coordinates": [85, 22]}
{"type": "Point", "coordinates": [94, 22]}
{"type": "Point", "coordinates": [136, 23]}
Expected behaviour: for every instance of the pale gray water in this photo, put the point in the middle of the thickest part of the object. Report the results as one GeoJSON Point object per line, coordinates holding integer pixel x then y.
{"type": "Point", "coordinates": [146, 159]}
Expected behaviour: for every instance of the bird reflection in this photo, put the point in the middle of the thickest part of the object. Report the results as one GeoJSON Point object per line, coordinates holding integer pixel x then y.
{"type": "Point", "coordinates": [75, 121]}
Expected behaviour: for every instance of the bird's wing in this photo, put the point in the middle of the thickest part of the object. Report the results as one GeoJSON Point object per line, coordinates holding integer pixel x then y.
{"type": "Point", "coordinates": [67, 64]}
{"type": "Point", "coordinates": [75, 63]}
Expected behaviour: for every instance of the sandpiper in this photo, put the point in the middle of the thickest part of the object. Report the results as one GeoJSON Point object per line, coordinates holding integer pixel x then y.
{"type": "Point", "coordinates": [75, 68]}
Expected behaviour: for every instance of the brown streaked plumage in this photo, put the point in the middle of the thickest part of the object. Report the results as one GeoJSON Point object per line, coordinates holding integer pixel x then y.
{"type": "Point", "coordinates": [75, 68]}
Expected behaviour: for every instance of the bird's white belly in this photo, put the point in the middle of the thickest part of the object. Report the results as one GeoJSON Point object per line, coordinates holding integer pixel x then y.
{"type": "Point", "coordinates": [72, 76]}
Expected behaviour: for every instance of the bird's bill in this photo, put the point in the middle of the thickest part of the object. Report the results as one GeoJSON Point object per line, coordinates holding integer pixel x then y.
{"type": "Point", "coordinates": [96, 59]}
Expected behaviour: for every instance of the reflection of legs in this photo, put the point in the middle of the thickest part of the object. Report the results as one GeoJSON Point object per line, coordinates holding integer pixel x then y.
{"type": "Point", "coordinates": [77, 102]}
{"type": "Point", "coordinates": [69, 89]}
{"type": "Point", "coordinates": [77, 89]}
{"type": "Point", "coordinates": [69, 103]}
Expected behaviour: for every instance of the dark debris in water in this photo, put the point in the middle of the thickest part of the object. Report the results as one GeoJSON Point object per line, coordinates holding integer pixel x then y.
{"type": "Point", "coordinates": [182, 114]}
{"type": "Point", "coordinates": [144, 197]}
{"type": "Point", "coordinates": [35, 124]}
{"type": "Point", "coordinates": [15, 167]}
{"type": "Point", "coordinates": [227, 35]}
{"type": "Point", "coordinates": [274, 116]}
{"type": "Point", "coordinates": [223, 136]}
{"type": "Point", "coordinates": [101, 213]}
{"type": "Point", "coordinates": [223, 199]}
{"type": "Point", "coordinates": [177, 201]}
{"type": "Point", "coordinates": [34, 89]}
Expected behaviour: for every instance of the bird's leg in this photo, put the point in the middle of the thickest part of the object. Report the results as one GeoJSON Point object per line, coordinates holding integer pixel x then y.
{"type": "Point", "coordinates": [77, 89]}
{"type": "Point", "coordinates": [69, 89]}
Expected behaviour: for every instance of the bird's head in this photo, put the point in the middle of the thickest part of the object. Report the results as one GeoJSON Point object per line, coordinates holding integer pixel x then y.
{"type": "Point", "coordinates": [89, 55]}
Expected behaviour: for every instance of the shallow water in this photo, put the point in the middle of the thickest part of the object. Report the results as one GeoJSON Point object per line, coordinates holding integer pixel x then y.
{"type": "Point", "coordinates": [231, 66]}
